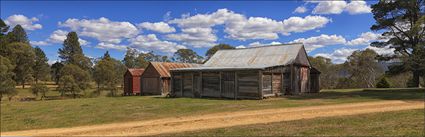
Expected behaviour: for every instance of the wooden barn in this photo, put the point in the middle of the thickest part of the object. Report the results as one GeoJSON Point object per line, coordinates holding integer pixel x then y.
{"type": "Point", "coordinates": [255, 73]}
{"type": "Point", "coordinates": [132, 81]}
{"type": "Point", "coordinates": [156, 78]}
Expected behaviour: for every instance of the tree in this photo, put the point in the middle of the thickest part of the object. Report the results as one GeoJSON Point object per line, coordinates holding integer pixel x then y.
{"type": "Point", "coordinates": [72, 53]}
{"type": "Point", "coordinates": [187, 56]}
{"type": "Point", "coordinates": [383, 83]}
{"type": "Point", "coordinates": [55, 71]}
{"type": "Point", "coordinates": [22, 55]}
{"type": "Point", "coordinates": [7, 84]}
{"type": "Point", "coordinates": [108, 73]}
{"type": "Point", "coordinates": [214, 49]}
{"type": "Point", "coordinates": [130, 58]}
{"type": "Point", "coordinates": [3, 28]}
{"type": "Point", "coordinates": [328, 71]}
{"type": "Point", "coordinates": [38, 88]}
{"type": "Point", "coordinates": [17, 34]}
{"type": "Point", "coordinates": [67, 84]}
{"type": "Point", "coordinates": [363, 68]}
{"type": "Point", "coordinates": [403, 24]}
{"type": "Point", "coordinates": [3, 39]}
{"type": "Point", "coordinates": [41, 67]}
{"type": "Point", "coordinates": [75, 74]}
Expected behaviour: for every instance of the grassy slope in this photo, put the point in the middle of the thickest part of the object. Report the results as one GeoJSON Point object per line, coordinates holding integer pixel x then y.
{"type": "Point", "coordinates": [86, 111]}
{"type": "Point", "coordinates": [400, 123]}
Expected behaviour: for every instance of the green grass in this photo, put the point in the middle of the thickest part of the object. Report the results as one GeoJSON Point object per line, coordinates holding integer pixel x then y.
{"type": "Point", "coordinates": [86, 111]}
{"type": "Point", "coordinates": [399, 123]}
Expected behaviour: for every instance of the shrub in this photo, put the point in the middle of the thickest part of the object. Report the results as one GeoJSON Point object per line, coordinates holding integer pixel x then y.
{"type": "Point", "coordinates": [383, 83]}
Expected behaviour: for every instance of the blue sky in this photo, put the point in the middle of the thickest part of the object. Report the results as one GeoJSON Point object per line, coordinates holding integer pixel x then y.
{"type": "Point", "coordinates": [332, 29]}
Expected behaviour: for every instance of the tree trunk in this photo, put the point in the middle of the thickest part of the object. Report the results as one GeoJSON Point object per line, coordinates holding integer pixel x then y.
{"type": "Point", "coordinates": [416, 76]}
{"type": "Point", "coordinates": [23, 85]}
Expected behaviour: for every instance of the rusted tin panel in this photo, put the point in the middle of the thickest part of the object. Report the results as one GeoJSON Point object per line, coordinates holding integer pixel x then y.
{"type": "Point", "coordinates": [164, 68]}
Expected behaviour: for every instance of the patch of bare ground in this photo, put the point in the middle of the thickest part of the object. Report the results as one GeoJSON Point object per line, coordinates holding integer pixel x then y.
{"type": "Point", "coordinates": [220, 120]}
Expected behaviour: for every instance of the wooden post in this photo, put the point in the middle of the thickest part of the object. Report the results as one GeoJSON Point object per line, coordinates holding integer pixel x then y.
{"type": "Point", "coordinates": [201, 86]}
{"type": "Point", "coordinates": [181, 85]}
{"type": "Point", "coordinates": [236, 85]}
{"type": "Point", "coordinates": [282, 82]}
{"type": "Point", "coordinates": [171, 90]}
{"type": "Point", "coordinates": [292, 79]}
{"type": "Point", "coordinates": [260, 84]}
{"type": "Point", "coordinates": [221, 89]}
{"type": "Point", "coordinates": [271, 82]}
{"type": "Point", "coordinates": [193, 86]}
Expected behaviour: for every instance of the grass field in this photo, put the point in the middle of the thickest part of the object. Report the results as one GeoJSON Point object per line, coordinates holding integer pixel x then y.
{"type": "Point", "coordinates": [86, 111]}
{"type": "Point", "coordinates": [399, 123]}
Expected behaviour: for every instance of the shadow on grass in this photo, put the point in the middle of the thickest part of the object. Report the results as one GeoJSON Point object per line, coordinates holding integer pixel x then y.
{"type": "Point", "coordinates": [384, 94]}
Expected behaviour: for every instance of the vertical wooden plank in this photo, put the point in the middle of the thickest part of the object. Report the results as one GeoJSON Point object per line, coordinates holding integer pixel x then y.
{"type": "Point", "coordinates": [171, 90]}
{"type": "Point", "coordinates": [182, 85]}
{"type": "Point", "coordinates": [236, 85]}
{"type": "Point", "coordinates": [220, 83]}
{"type": "Point", "coordinates": [292, 78]}
{"type": "Point", "coordinates": [260, 84]}
{"type": "Point", "coordinates": [282, 88]}
{"type": "Point", "coordinates": [201, 86]}
{"type": "Point", "coordinates": [271, 82]}
{"type": "Point", "coordinates": [193, 86]}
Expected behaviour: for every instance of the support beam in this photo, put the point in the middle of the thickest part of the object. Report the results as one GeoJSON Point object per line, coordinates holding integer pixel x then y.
{"type": "Point", "coordinates": [236, 85]}
{"type": "Point", "coordinates": [260, 84]}
{"type": "Point", "coordinates": [182, 85]}
{"type": "Point", "coordinates": [220, 83]}
{"type": "Point", "coordinates": [193, 85]}
{"type": "Point", "coordinates": [202, 85]}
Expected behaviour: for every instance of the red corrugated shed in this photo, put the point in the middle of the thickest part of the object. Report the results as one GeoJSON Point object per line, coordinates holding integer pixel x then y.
{"type": "Point", "coordinates": [132, 81]}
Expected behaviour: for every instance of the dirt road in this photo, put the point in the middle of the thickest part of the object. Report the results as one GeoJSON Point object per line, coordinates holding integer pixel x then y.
{"type": "Point", "coordinates": [219, 120]}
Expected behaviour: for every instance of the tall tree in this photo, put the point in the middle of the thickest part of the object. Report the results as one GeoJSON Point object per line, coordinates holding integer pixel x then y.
{"type": "Point", "coordinates": [3, 39]}
{"type": "Point", "coordinates": [7, 84]}
{"type": "Point", "coordinates": [3, 28]}
{"type": "Point", "coordinates": [403, 24]}
{"type": "Point", "coordinates": [22, 55]}
{"type": "Point", "coordinates": [328, 71]}
{"type": "Point", "coordinates": [130, 58]}
{"type": "Point", "coordinates": [76, 75]}
{"type": "Point", "coordinates": [55, 71]}
{"type": "Point", "coordinates": [214, 49]}
{"type": "Point", "coordinates": [72, 53]}
{"type": "Point", "coordinates": [108, 73]}
{"type": "Point", "coordinates": [41, 67]}
{"type": "Point", "coordinates": [187, 56]}
{"type": "Point", "coordinates": [17, 34]}
{"type": "Point", "coordinates": [363, 68]}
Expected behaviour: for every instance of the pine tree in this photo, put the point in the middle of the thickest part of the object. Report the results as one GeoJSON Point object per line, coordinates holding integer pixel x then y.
{"type": "Point", "coordinates": [130, 58]}
{"type": "Point", "coordinates": [22, 55]}
{"type": "Point", "coordinates": [7, 84]}
{"type": "Point", "coordinates": [41, 67]}
{"type": "Point", "coordinates": [72, 53]}
{"type": "Point", "coordinates": [17, 34]}
{"type": "Point", "coordinates": [383, 83]}
{"type": "Point", "coordinates": [55, 71]}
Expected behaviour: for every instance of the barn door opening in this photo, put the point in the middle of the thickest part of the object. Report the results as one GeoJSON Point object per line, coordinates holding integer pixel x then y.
{"type": "Point", "coordinates": [267, 84]}
{"type": "Point", "coordinates": [150, 86]}
{"type": "Point", "coordinates": [228, 85]}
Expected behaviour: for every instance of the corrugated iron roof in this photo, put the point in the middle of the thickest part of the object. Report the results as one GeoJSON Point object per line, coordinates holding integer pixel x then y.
{"type": "Point", "coordinates": [253, 58]}
{"type": "Point", "coordinates": [164, 68]}
{"type": "Point", "coordinates": [136, 71]}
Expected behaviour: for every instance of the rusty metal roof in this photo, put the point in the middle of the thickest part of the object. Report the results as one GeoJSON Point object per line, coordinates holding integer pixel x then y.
{"type": "Point", "coordinates": [164, 68]}
{"type": "Point", "coordinates": [256, 57]}
{"type": "Point", "coordinates": [136, 71]}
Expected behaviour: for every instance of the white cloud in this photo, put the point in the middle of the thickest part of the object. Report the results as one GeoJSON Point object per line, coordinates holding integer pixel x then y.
{"type": "Point", "coordinates": [258, 44]}
{"type": "Point", "coordinates": [240, 47]}
{"type": "Point", "coordinates": [39, 43]}
{"type": "Point", "coordinates": [337, 7]}
{"type": "Point", "coordinates": [338, 56]}
{"type": "Point", "coordinates": [320, 41]}
{"type": "Point", "coordinates": [58, 36]}
{"type": "Point", "coordinates": [103, 45]}
{"type": "Point", "coordinates": [329, 7]}
{"type": "Point", "coordinates": [160, 27]}
{"type": "Point", "coordinates": [239, 27]}
{"type": "Point", "coordinates": [382, 51]}
{"type": "Point", "coordinates": [300, 9]}
{"type": "Point", "coordinates": [358, 7]}
{"type": "Point", "coordinates": [197, 37]}
{"type": "Point", "coordinates": [151, 42]}
{"type": "Point", "coordinates": [102, 29]}
{"type": "Point", "coordinates": [25, 22]}
{"type": "Point", "coordinates": [365, 39]}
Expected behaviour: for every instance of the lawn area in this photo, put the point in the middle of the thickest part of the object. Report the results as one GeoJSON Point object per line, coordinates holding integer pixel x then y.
{"type": "Point", "coordinates": [86, 111]}
{"type": "Point", "coordinates": [398, 123]}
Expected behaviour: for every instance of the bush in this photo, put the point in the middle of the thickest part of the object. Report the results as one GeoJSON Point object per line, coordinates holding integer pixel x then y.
{"type": "Point", "coordinates": [39, 89]}
{"type": "Point", "coordinates": [383, 83]}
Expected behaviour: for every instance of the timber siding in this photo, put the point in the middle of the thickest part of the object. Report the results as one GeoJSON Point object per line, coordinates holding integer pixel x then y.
{"type": "Point", "coordinates": [252, 73]}
{"type": "Point", "coordinates": [132, 81]}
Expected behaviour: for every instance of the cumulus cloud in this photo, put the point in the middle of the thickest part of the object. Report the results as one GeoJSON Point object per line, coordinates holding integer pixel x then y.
{"type": "Point", "coordinates": [240, 47]}
{"type": "Point", "coordinates": [25, 22]}
{"type": "Point", "coordinates": [258, 44]}
{"type": "Point", "coordinates": [382, 51]}
{"type": "Point", "coordinates": [337, 7]}
{"type": "Point", "coordinates": [103, 45]}
{"type": "Point", "coordinates": [365, 39]}
{"type": "Point", "coordinates": [58, 36]}
{"type": "Point", "coordinates": [338, 56]}
{"type": "Point", "coordinates": [320, 41]}
{"type": "Point", "coordinates": [240, 27]}
{"type": "Point", "coordinates": [300, 9]}
{"type": "Point", "coordinates": [160, 27]}
{"type": "Point", "coordinates": [102, 29]}
{"type": "Point", "coordinates": [151, 42]}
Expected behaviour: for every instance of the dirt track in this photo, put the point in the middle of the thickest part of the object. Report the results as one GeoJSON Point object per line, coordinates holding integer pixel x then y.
{"type": "Point", "coordinates": [219, 120]}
